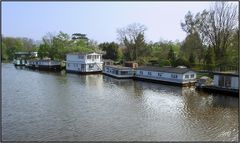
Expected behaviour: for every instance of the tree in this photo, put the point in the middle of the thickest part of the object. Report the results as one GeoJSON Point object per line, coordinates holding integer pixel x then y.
{"type": "Point", "coordinates": [4, 52]}
{"type": "Point", "coordinates": [43, 50]}
{"type": "Point", "coordinates": [112, 50]}
{"type": "Point", "coordinates": [209, 58]}
{"type": "Point", "coordinates": [191, 59]}
{"type": "Point", "coordinates": [79, 36]}
{"type": "Point", "coordinates": [190, 23]}
{"type": "Point", "coordinates": [28, 44]}
{"type": "Point", "coordinates": [182, 62]}
{"type": "Point", "coordinates": [12, 45]}
{"type": "Point", "coordinates": [193, 43]}
{"type": "Point", "coordinates": [232, 51]}
{"type": "Point", "coordinates": [215, 27]}
{"type": "Point", "coordinates": [133, 39]}
{"type": "Point", "coordinates": [222, 20]}
{"type": "Point", "coordinates": [171, 56]}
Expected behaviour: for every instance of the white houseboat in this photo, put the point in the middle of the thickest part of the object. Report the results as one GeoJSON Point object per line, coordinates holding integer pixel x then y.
{"type": "Point", "coordinates": [118, 71]}
{"type": "Point", "coordinates": [224, 82]}
{"type": "Point", "coordinates": [84, 62]}
{"type": "Point", "coordinates": [20, 58]}
{"type": "Point", "coordinates": [180, 76]}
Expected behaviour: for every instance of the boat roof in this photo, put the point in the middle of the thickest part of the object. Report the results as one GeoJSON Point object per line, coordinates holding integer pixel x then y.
{"type": "Point", "coordinates": [204, 77]}
{"type": "Point", "coordinates": [165, 69]}
{"type": "Point", "coordinates": [108, 60]}
{"type": "Point", "coordinates": [84, 53]}
{"type": "Point", "coordinates": [119, 67]}
{"type": "Point", "coordinates": [226, 73]}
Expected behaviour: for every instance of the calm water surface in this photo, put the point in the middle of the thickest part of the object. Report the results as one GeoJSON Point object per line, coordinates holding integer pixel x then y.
{"type": "Point", "coordinates": [45, 106]}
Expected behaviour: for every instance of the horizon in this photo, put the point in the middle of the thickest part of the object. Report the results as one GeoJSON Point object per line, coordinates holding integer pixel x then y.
{"type": "Point", "coordinates": [98, 20]}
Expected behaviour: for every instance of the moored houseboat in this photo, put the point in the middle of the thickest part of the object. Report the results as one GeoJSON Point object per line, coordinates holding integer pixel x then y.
{"type": "Point", "coordinates": [44, 64]}
{"type": "Point", "coordinates": [84, 62]}
{"type": "Point", "coordinates": [224, 82]}
{"type": "Point", "coordinates": [168, 75]}
{"type": "Point", "coordinates": [203, 81]}
{"type": "Point", "coordinates": [19, 62]}
{"type": "Point", "coordinates": [118, 71]}
{"type": "Point", "coordinates": [20, 58]}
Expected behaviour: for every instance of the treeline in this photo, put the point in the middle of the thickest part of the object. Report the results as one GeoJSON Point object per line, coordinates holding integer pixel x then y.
{"type": "Point", "coordinates": [211, 42]}
{"type": "Point", "coordinates": [11, 45]}
{"type": "Point", "coordinates": [57, 46]}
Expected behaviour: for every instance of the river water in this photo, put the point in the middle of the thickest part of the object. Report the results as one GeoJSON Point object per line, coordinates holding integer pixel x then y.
{"type": "Point", "coordinates": [47, 106]}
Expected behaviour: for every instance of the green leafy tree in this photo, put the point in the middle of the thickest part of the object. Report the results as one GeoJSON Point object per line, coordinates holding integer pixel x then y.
{"type": "Point", "coordinates": [133, 39]}
{"type": "Point", "coordinates": [192, 59]}
{"type": "Point", "coordinates": [209, 58]}
{"type": "Point", "coordinates": [4, 52]}
{"type": "Point", "coordinates": [193, 45]}
{"type": "Point", "coordinates": [171, 56]}
{"type": "Point", "coordinates": [112, 50]}
{"type": "Point", "coordinates": [182, 62]}
{"type": "Point", "coordinates": [215, 27]}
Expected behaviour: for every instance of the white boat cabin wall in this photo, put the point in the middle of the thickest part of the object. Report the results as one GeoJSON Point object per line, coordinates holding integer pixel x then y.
{"type": "Point", "coordinates": [79, 62]}
{"type": "Point", "coordinates": [175, 77]}
{"type": "Point", "coordinates": [229, 81]}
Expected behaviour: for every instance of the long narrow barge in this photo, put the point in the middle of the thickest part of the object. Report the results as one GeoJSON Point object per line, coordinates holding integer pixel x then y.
{"type": "Point", "coordinates": [44, 65]}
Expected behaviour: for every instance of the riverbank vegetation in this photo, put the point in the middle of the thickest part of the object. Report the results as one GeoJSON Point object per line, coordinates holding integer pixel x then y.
{"type": "Point", "coordinates": [211, 42]}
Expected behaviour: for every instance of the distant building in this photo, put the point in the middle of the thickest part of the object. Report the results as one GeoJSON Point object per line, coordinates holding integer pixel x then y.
{"type": "Point", "coordinates": [225, 80]}
{"type": "Point", "coordinates": [84, 62]}
{"type": "Point", "coordinates": [181, 76]}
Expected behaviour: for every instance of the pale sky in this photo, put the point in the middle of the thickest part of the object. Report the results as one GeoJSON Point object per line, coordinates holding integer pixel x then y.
{"type": "Point", "coordinates": [99, 20]}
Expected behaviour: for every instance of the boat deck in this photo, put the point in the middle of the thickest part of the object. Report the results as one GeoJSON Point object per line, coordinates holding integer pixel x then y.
{"type": "Point", "coordinates": [210, 88]}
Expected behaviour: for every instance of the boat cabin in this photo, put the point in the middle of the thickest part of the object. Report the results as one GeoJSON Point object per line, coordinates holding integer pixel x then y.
{"type": "Point", "coordinates": [226, 80]}
{"type": "Point", "coordinates": [84, 62]}
{"type": "Point", "coordinates": [118, 71]}
{"type": "Point", "coordinates": [183, 76]}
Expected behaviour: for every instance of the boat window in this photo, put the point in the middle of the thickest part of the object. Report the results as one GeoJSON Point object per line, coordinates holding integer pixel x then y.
{"type": "Point", "coordinates": [80, 56]}
{"type": "Point", "coordinates": [149, 73]}
{"type": "Point", "coordinates": [91, 66]}
{"type": "Point", "coordinates": [82, 66]}
{"type": "Point", "coordinates": [124, 72]}
{"type": "Point", "coordinates": [159, 74]}
{"type": "Point", "coordinates": [174, 76]}
{"type": "Point", "coordinates": [89, 57]}
{"type": "Point", "coordinates": [192, 75]}
{"type": "Point", "coordinates": [141, 72]}
{"type": "Point", "coordinates": [186, 76]}
{"type": "Point", "coordinates": [221, 81]}
{"type": "Point", "coordinates": [227, 81]}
